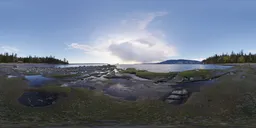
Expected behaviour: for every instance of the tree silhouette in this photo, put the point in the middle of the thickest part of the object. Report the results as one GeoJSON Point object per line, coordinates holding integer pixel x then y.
{"type": "Point", "coordinates": [12, 58]}
{"type": "Point", "coordinates": [240, 57]}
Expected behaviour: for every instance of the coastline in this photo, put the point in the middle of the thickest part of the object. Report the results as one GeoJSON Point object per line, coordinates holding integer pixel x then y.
{"type": "Point", "coordinates": [106, 93]}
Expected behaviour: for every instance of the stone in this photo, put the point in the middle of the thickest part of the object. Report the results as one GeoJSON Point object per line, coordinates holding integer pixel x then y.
{"type": "Point", "coordinates": [172, 101]}
{"type": "Point", "coordinates": [11, 76]}
{"type": "Point", "coordinates": [180, 92]}
{"type": "Point", "coordinates": [231, 73]}
{"type": "Point", "coordinates": [64, 85]}
{"type": "Point", "coordinates": [177, 96]}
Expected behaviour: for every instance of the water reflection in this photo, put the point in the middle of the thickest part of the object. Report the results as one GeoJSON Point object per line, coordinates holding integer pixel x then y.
{"type": "Point", "coordinates": [171, 67]}
{"type": "Point", "coordinates": [37, 80]}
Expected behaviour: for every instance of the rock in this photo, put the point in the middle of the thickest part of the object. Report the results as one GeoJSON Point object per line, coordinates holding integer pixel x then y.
{"type": "Point", "coordinates": [163, 80]}
{"type": "Point", "coordinates": [64, 85]}
{"type": "Point", "coordinates": [73, 73]}
{"type": "Point", "coordinates": [85, 75]}
{"type": "Point", "coordinates": [191, 78]}
{"type": "Point", "coordinates": [11, 76]}
{"type": "Point", "coordinates": [102, 78]}
{"type": "Point", "coordinates": [231, 73]}
{"type": "Point", "coordinates": [180, 92]}
{"type": "Point", "coordinates": [115, 70]}
{"type": "Point", "coordinates": [243, 77]}
{"type": "Point", "coordinates": [172, 101]}
{"type": "Point", "coordinates": [177, 96]}
{"type": "Point", "coordinates": [185, 79]}
{"type": "Point", "coordinates": [91, 78]}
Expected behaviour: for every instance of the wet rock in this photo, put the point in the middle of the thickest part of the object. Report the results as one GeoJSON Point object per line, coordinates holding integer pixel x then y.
{"type": "Point", "coordinates": [117, 77]}
{"type": "Point", "coordinates": [177, 96]}
{"type": "Point", "coordinates": [163, 80]}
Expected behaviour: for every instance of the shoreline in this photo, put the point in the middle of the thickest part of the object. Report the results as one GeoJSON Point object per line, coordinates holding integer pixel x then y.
{"type": "Point", "coordinates": [104, 91]}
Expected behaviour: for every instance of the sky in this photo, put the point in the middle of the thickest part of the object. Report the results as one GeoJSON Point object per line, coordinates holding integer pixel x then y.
{"type": "Point", "coordinates": [127, 31]}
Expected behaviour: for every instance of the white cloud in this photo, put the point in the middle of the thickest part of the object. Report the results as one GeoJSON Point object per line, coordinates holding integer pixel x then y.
{"type": "Point", "coordinates": [131, 42]}
{"type": "Point", "coordinates": [252, 51]}
{"type": "Point", "coordinates": [9, 49]}
{"type": "Point", "coordinates": [198, 59]}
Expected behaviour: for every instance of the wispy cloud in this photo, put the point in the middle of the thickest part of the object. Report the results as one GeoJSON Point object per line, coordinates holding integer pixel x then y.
{"type": "Point", "coordinates": [252, 51]}
{"type": "Point", "coordinates": [9, 49]}
{"type": "Point", "coordinates": [131, 42]}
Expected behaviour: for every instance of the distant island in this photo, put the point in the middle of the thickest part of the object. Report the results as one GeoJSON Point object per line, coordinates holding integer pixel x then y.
{"type": "Point", "coordinates": [180, 61]}
{"type": "Point", "coordinates": [13, 58]}
{"type": "Point", "coordinates": [240, 57]}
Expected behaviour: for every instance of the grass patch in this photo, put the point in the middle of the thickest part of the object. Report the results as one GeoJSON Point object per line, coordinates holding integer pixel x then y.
{"type": "Point", "coordinates": [129, 70]}
{"type": "Point", "coordinates": [152, 75]}
{"type": "Point", "coordinates": [192, 73]}
{"type": "Point", "coordinates": [31, 73]}
{"type": "Point", "coordinates": [51, 89]}
{"type": "Point", "coordinates": [228, 100]}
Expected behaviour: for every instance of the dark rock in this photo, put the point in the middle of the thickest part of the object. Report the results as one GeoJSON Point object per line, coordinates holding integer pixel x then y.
{"type": "Point", "coordinates": [117, 77]}
{"type": "Point", "coordinates": [163, 80]}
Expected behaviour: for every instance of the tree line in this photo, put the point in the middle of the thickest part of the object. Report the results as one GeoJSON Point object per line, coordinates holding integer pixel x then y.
{"type": "Point", "coordinates": [240, 57]}
{"type": "Point", "coordinates": [13, 58]}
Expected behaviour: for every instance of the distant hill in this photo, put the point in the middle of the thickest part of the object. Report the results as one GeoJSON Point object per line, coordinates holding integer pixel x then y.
{"type": "Point", "coordinates": [180, 61]}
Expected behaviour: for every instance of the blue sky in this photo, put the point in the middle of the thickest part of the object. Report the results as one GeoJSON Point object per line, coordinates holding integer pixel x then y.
{"type": "Point", "coordinates": [127, 31]}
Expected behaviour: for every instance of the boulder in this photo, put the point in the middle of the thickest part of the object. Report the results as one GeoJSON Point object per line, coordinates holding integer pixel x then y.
{"type": "Point", "coordinates": [231, 73]}
{"type": "Point", "coordinates": [177, 96]}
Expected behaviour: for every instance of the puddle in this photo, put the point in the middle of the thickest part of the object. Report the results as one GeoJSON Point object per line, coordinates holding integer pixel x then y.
{"type": "Point", "coordinates": [37, 80]}
{"type": "Point", "coordinates": [120, 91]}
{"type": "Point", "coordinates": [38, 99]}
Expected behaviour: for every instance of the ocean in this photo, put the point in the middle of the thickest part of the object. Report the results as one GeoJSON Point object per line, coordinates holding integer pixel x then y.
{"type": "Point", "coordinates": [155, 67]}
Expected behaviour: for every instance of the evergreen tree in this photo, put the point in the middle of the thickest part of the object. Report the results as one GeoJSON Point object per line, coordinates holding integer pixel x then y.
{"type": "Point", "coordinates": [240, 57]}
{"type": "Point", "coordinates": [12, 58]}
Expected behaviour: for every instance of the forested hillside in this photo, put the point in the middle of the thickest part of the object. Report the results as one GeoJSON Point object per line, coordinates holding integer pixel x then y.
{"type": "Point", "coordinates": [240, 57]}
{"type": "Point", "coordinates": [13, 58]}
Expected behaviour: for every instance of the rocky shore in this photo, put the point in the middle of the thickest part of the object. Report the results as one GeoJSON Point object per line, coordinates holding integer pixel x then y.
{"type": "Point", "coordinates": [129, 84]}
{"type": "Point", "coordinates": [34, 95]}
